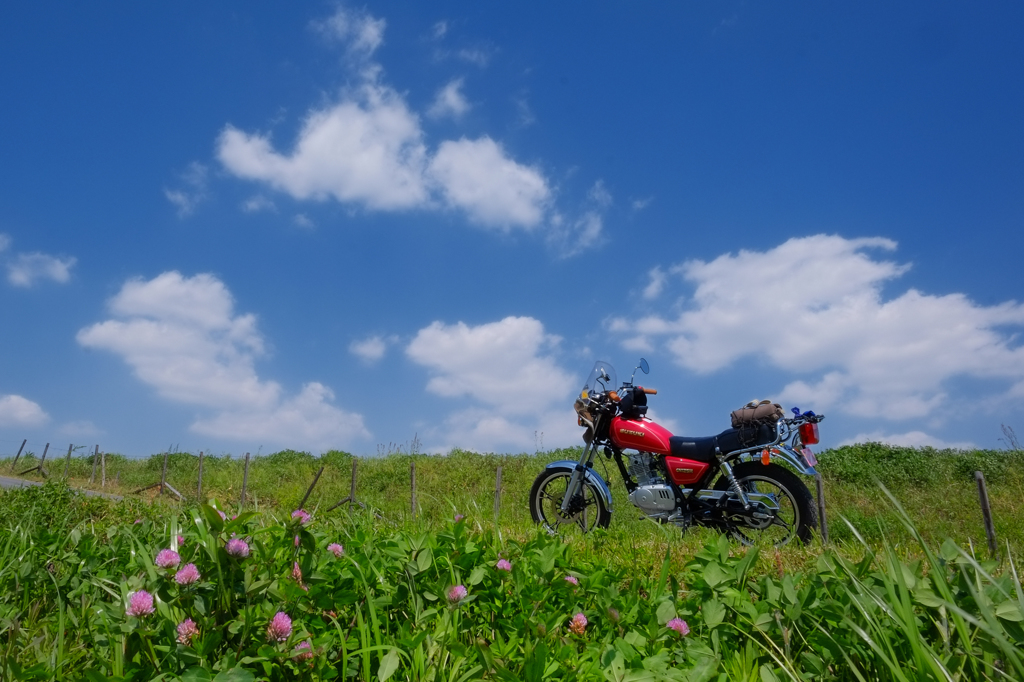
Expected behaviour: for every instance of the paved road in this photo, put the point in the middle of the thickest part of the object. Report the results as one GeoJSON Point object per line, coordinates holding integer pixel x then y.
{"type": "Point", "coordinates": [8, 482]}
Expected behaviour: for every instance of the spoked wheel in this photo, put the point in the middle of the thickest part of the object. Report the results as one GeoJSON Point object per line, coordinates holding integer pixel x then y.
{"type": "Point", "coordinates": [586, 512]}
{"type": "Point", "coordinates": [787, 510]}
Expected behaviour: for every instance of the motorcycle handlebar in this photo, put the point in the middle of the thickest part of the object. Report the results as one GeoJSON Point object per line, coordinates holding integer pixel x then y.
{"type": "Point", "coordinates": [648, 391]}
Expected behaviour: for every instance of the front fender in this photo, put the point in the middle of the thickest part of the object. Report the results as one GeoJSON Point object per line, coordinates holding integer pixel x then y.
{"type": "Point", "coordinates": [592, 477]}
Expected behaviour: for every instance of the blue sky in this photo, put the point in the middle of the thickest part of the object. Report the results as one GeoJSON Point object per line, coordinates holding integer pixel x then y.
{"type": "Point", "coordinates": [240, 227]}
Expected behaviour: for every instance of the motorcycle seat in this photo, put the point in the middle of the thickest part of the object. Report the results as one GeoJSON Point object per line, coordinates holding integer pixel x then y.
{"type": "Point", "coordinates": [697, 449]}
{"type": "Point", "coordinates": [702, 449]}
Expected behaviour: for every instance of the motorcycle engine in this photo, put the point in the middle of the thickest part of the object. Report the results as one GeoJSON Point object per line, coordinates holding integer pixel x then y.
{"type": "Point", "coordinates": [652, 495]}
{"type": "Point", "coordinates": [654, 499]}
{"type": "Point", "coordinates": [643, 469]}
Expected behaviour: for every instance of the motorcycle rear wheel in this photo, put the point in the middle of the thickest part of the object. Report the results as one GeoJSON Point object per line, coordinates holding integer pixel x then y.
{"type": "Point", "coordinates": [587, 512]}
{"type": "Point", "coordinates": [797, 516]}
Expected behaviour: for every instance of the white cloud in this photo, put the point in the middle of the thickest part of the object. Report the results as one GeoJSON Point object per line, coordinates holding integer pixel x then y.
{"type": "Point", "coordinates": [181, 200]}
{"type": "Point", "coordinates": [813, 306]}
{"type": "Point", "coordinates": [449, 101]}
{"type": "Point", "coordinates": [361, 33]}
{"type": "Point", "coordinates": [257, 203]}
{"type": "Point", "coordinates": [506, 368]}
{"type": "Point", "coordinates": [912, 439]}
{"type": "Point", "coordinates": [658, 278]}
{"type": "Point", "coordinates": [187, 198]}
{"type": "Point", "coordinates": [181, 336]}
{"type": "Point", "coordinates": [479, 178]}
{"type": "Point", "coordinates": [572, 237]}
{"type": "Point", "coordinates": [82, 428]}
{"type": "Point", "coordinates": [478, 56]}
{"type": "Point", "coordinates": [482, 429]}
{"type": "Point", "coordinates": [303, 221]}
{"type": "Point", "coordinates": [367, 149]}
{"type": "Point", "coordinates": [25, 269]}
{"type": "Point", "coordinates": [498, 363]}
{"type": "Point", "coordinates": [28, 268]}
{"type": "Point", "coordinates": [440, 29]}
{"type": "Point", "coordinates": [526, 115]}
{"type": "Point", "coordinates": [641, 204]}
{"type": "Point", "coordinates": [18, 411]}
{"type": "Point", "coordinates": [308, 418]}
{"type": "Point", "coordinates": [371, 349]}
{"type": "Point", "coordinates": [599, 195]}
{"type": "Point", "coordinates": [638, 344]}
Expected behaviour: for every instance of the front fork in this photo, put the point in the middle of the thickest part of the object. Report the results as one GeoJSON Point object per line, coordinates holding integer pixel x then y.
{"type": "Point", "coordinates": [576, 480]}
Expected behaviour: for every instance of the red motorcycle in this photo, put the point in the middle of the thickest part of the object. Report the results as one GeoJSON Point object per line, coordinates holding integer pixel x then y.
{"type": "Point", "coordinates": [732, 482]}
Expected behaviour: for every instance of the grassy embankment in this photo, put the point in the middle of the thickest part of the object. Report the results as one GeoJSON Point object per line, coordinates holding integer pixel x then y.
{"type": "Point", "coordinates": [936, 487]}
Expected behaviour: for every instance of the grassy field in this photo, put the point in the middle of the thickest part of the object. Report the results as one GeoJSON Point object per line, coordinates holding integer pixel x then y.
{"type": "Point", "coordinates": [906, 591]}
{"type": "Point", "coordinates": [94, 590]}
{"type": "Point", "coordinates": [937, 489]}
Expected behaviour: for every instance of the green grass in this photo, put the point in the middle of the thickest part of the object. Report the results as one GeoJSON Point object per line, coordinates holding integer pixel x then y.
{"type": "Point", "coordinates": [936, 487]}
{"type": "Point", "coordinates": [863, 611]}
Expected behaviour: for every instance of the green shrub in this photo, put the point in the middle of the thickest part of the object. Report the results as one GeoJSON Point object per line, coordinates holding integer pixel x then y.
{"type": "Point", "coordinates": [898, 466]}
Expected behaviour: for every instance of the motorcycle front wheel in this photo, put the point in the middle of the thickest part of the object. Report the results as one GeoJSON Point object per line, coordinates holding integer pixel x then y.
{"type": "Point", "coordinates": [797, 516]}
{"type": "Point", "coordinates": [587, 509]}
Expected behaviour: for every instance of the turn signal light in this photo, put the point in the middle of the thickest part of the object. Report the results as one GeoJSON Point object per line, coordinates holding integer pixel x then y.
{"type": "Point", "coordinates": [809, 433]}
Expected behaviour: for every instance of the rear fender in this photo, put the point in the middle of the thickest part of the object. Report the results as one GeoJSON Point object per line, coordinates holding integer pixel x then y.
{"type": "Point", "coordinates": [786, 454]}
{"type": "Point", "coordinates": [592, 477]}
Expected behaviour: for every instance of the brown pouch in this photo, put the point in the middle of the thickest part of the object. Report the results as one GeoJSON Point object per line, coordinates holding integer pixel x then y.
{"type": "Point", "coordinates": [757, 412]}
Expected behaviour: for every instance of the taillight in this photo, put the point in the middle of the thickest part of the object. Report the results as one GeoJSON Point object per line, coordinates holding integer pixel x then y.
{"type": "Point", "coordinates": [809, 433]}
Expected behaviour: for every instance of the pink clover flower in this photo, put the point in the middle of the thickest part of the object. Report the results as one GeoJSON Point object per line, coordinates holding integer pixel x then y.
{"type": "Point", "coordinates": [187, 575]}
{"type": "Point", "coordinates": [140, 604]}
{"type": "Point", "coordinates": [279, 628]}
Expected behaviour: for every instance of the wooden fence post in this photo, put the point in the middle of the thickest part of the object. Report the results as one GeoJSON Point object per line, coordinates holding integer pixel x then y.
{"type": "Point", "coordinates": [67, 461]}
{"type": "Point", "coordinates": [986, 513]}
{"type": "Point", "coordinates": [245, 481]}
{"type": "Point", "coordinates": [95, 461]}
{"type": "Point", "coordinates": [352, 490]}
{"type": "Point", "coordinates": [199, 490]}
{"type": "Point", "coordinates": [18, 456]}
{"type": "Point", "coordinates": [174, 490]}
{"type": "Point", "coordinates": [497, 495]}
{"type": "Point", "coordinates": [822, 519]}
{"type": "Point", "coordinates": [103, 469]}
{"type": "Point", "coordinates": [351, 499]}
{"type": "Point", "coordinates": [38, 467]}
{"type": "Point", "coordinates": [311, 485]}
{"type": "Point", "coordinates": [412, 499]}
{"type": "Point", "coordinates": [163, 476]}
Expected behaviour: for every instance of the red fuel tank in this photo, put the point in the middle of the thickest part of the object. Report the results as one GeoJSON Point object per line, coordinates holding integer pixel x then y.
{"type": "Point", "coordinates": [685, 471]}
{"type": "Point", "coordinates": [640, 434]}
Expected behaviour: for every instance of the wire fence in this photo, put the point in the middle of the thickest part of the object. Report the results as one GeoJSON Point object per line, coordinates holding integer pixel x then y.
{"type": "Point", "coordinates": [189, 478]}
